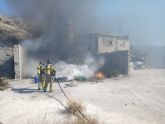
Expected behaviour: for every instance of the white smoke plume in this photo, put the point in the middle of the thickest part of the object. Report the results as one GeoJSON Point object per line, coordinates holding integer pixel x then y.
{"type": "Point", "coordinates": [87, 70]}
{"type": "Point", "coordinates": [63, 26]}
{"type": "Point", "coordinates": [64, 69]}
{"type": "Point", "coordinates": [30, 68]}
{"type": "Point", "coordinates": [59, 24]}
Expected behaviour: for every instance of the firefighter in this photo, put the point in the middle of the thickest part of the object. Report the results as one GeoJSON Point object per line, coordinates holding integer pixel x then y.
{"type": "Point", "coordinates": [50, 74]}
{"type": "Point", "coordinates": [41, 74]}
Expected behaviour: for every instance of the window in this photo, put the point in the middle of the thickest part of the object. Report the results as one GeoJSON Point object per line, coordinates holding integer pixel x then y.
{"type": "Point", "coordinates": [107, 42]}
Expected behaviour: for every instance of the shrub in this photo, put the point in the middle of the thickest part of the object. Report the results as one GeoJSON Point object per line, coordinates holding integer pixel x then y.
{"type": "Point", "coordinates": [3, 84]}
{"type": "Point", "coordinates": [75, 107]}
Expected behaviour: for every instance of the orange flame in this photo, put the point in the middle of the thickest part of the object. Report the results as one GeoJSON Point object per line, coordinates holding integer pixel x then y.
{"type": "Point", "coordinates": [100, 76]}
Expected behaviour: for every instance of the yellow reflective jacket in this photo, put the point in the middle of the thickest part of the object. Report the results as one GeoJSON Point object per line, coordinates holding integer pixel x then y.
{"type": "Point", "coordinates": [38, 69]}
{"type": "Point", "coordinates": [48, 69]}
{"type": "Point", "coordinates": [53, 71]}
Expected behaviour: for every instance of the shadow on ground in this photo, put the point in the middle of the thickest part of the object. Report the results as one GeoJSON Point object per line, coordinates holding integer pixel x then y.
{"type": "Point", "coordinates": [31, 89]}
{"type": "Point", "coordinates": [25, 90]}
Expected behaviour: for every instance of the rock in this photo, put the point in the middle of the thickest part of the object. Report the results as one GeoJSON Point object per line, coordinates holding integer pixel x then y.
{"type": "Point", "coordinates": [72, 84]}
{"type": "Point", "coordinates": [13, 30]}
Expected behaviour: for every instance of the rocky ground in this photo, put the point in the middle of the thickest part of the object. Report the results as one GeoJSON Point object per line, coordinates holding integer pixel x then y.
{"type": "Point", "coordinates": [136, 99]}
{"type": "Point", "coordinates": [14, 30]}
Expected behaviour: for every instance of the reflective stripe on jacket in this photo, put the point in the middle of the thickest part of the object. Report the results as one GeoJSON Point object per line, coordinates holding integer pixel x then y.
{"type": "Point", "coordinates": [48, 69]}
{"type": "Point", "coordinates": [38, 69]}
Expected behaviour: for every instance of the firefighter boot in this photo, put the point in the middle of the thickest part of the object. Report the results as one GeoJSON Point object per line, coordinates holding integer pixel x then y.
{"type": "Point", "coordinates": [45, 88]}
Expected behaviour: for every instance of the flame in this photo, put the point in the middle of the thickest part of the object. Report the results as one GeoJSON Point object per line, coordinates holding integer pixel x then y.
{"type": "Point", "coordinates": [100, 76]}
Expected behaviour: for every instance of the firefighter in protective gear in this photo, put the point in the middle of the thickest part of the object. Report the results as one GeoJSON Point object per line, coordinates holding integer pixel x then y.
{"type": "Point", "coordinates": [41, 74]}
{"type": "Point", "coordinates": [50, 74]}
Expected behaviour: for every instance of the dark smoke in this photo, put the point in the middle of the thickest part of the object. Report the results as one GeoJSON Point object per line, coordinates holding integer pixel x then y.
{"type": "Point", "coordinates": [61, 24]}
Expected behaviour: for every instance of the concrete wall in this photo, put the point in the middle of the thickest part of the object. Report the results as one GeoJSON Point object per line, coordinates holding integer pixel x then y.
{"type": "Point", "coordinates": [114, 49]}
{"type": "Point", "coordinates": [18, 61]}
{"type": "Point", "coordinates": [6, 62]}
{"type": "Point", "coordinates": [122, 45]}
{"type": "Point", "coordinates": [12, 61]}
{"type": "Point", "coordinates": [110, 43]}
{"type": "Point", "coordinates": [106, 44]}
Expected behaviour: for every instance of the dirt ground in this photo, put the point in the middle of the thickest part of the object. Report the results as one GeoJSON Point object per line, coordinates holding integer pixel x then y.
{"type": "Point", "coordinates": [135, 99]}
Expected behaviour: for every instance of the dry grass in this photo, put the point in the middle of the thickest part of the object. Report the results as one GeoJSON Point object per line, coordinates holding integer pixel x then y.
{"type": "Point", "coordinates": [87, 120]}
{"type": "Point", "coordinates": [75, 107]}
{"type": "Point", "coordinates": [3, 84]}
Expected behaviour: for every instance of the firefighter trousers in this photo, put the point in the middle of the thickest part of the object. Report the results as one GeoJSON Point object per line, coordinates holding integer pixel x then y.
{"type": "Point", "coordinates": [48, 80]}
{"type": "Point", "coordinates": [41, 82]}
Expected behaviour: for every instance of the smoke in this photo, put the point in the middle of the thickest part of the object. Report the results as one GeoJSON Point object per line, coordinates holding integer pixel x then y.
{"type": "Point", "coordinates": [61, 23]}
{"type": "Point", "coordinates": [88, 69]}
{"type": "Point", "coordinates": [144, 25]}
{"type": "Point", "coordinates": [30, 68]}
{"type": "Point", "coordinates": [63, 69]}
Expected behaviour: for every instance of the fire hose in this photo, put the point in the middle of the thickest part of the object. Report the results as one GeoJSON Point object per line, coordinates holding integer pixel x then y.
{"type": "Point", "coordinates": [54, 78]}
{"type": "Point", "coordinates": [70, 100]}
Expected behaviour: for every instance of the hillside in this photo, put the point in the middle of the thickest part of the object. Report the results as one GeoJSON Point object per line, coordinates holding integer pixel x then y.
{"type": "Point", "coordinates": [13, 30]}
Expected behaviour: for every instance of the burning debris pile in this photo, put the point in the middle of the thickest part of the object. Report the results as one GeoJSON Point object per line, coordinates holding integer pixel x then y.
{"type": "Point", "coordinates": [100, 76]}
{"type": "Point", "coordinates": [80, 72]}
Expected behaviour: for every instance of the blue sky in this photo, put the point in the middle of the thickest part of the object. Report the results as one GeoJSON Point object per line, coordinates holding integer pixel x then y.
{"type": "Point", "coordinates": [142, 20]}
{"type": "Point", "coordinates": [4, 8]}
